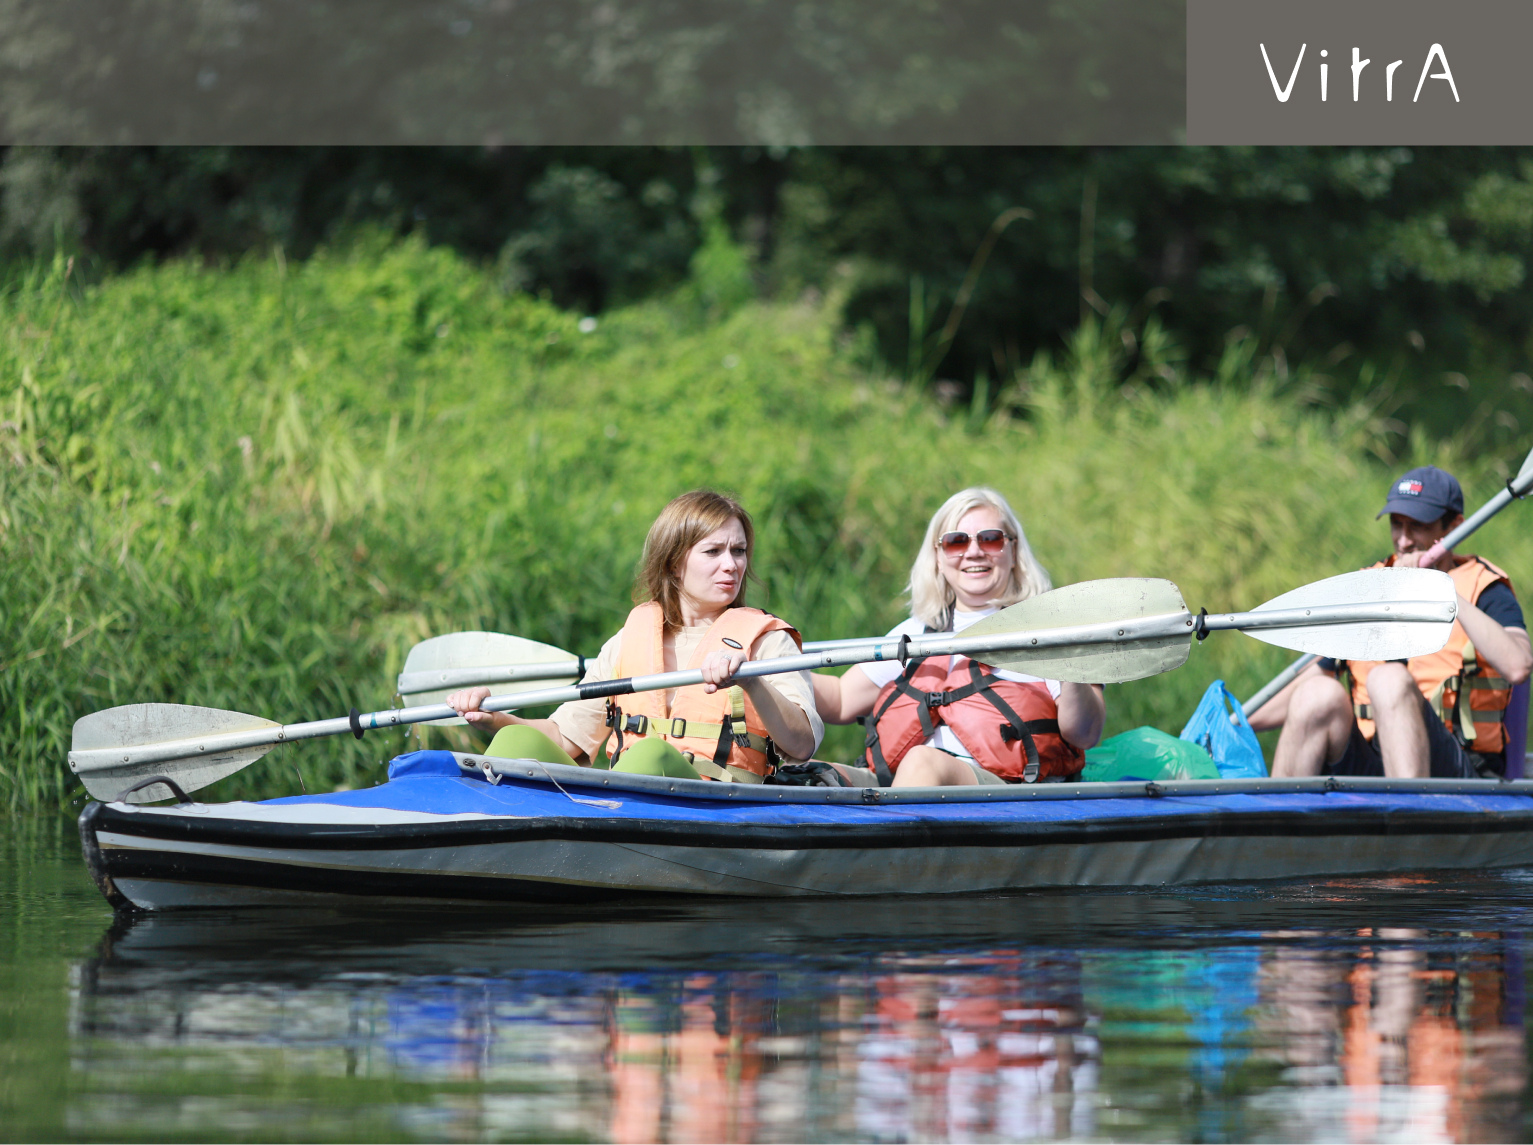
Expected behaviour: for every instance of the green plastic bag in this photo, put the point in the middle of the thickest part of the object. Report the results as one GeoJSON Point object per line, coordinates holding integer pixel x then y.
{"type": "Point", "coordinates": [1146, 754]}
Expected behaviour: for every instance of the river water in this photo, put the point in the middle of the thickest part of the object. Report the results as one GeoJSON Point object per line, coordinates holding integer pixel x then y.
{"type": "Point", "coordinates": [1350, 1010]}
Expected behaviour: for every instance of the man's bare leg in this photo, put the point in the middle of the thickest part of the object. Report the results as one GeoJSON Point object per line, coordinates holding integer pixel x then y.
{"type": "Point", "coordinates": [1401, 734]}
{"type": "Point", "coordinates": [1316, 731]}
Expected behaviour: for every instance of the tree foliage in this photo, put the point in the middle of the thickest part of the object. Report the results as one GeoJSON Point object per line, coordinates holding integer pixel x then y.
{"type": "Point", "coordinates": [1391, 273]}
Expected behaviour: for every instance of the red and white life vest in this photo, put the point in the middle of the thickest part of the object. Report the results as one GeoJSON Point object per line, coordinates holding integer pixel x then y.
{"type": "Point", "coordinates": [1009, 727]}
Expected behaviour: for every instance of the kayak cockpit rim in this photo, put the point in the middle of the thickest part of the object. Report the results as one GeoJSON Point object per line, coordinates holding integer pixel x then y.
{"type": "Point", "coordinates": [586, 778]}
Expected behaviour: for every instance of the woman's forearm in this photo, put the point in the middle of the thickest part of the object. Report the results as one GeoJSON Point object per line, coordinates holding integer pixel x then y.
{"type": "Point", "coordinates": [784, 720]}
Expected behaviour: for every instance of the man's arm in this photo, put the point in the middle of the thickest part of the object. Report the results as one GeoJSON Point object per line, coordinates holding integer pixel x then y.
{"type": "Point", "coordinates": [1507, 650]}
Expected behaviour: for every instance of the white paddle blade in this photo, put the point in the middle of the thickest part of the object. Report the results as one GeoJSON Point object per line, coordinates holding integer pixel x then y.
{"type": "Point", "coordinates": [459, 653]}
{"type": "Point", "coordinates": [1092, 602]}
{"type": "Point", "coordinates": [139, 725]}
{"type": "Point", "coordinates": [1371, 640]}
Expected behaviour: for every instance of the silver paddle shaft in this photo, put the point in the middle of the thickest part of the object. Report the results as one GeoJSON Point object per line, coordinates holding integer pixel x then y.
{"type": "Point", "coordinates": [439, 679]}
{"type": "Point", "coordinates": [871, 651]}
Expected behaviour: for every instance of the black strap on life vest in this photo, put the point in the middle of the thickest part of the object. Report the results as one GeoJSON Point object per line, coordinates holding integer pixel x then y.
{"type": "Point", "coordinates": [902, 687]}
{"type": "Point", "coordinates": [614, 724]}
{"type": "Point", "coordinates": [730, 739]}
{"type": "Point", "coordinates": [980, 683]}
{"type": "Point", "coordinates": [1015, 728]}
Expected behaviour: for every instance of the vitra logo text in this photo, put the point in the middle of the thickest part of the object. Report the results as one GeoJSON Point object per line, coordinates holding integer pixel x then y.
{"type": "Point", "coordinates": [1435, 54]}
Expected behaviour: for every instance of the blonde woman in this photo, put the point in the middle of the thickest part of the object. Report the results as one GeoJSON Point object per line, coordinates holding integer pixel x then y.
{"type": "Point", "coordinates": [986, 726]}
{"type": "Point", "coordinates": [690, 612]}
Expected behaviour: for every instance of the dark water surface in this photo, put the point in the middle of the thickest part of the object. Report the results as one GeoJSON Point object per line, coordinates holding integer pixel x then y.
{"type": "Point", "coordinates": [1365, 1010]}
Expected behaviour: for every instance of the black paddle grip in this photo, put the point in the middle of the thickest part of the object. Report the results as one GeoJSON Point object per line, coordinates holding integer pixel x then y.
{"type": "Point", "coordinates": [605, 688]}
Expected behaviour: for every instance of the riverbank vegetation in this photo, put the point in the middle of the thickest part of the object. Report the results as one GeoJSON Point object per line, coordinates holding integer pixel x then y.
{"type": "Point", "coordinates": [1399, 274]}
{"type": "Point", "coordinates": [254, 485]}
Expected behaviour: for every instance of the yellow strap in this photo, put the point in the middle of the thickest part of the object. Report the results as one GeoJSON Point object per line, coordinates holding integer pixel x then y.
{"type": "Point", "coordinates": [676, 727]}
{"type": "Point", "coordinates": [737, 703]}
{"type": "Point", "coordinates": [725, 774]}
{"type": "Point", "coordinates": [1465, 712]}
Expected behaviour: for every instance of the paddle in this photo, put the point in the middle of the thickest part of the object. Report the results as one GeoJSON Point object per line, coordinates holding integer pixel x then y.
{"type": "Point", "coordinates": [1518, 486]}
{"type": "Point", "coordinates": [1104, 631]}
{"type": "Point", "coordinates": [437, 667]}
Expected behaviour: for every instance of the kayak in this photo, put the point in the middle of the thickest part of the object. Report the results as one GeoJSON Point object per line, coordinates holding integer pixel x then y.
{"type": "Point", "coordinates": [451, 828]}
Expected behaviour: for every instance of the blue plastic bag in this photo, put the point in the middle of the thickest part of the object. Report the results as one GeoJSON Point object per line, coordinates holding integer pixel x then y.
{"type": "Point", "coordinates": [1232, 743]}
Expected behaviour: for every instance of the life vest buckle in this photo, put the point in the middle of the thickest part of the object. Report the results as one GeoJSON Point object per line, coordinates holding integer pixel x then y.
{"type": "Point", "coordinates": [678, 727]}
{"type": "Point", "coordinates": [937, 699]}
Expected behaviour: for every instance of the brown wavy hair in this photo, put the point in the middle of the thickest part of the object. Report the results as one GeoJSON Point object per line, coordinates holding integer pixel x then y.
{"type": "Point", "coordinates": [681, 524]}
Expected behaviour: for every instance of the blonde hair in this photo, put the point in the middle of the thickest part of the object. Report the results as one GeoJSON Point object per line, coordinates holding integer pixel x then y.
{"type": "Point", "coordinates": [931, 597]}
{"type": "Point", "coordinates": [681, 524]}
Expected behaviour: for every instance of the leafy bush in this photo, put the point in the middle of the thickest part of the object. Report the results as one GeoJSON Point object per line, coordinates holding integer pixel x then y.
{"type": "Point", "coordinates": [254, 487]}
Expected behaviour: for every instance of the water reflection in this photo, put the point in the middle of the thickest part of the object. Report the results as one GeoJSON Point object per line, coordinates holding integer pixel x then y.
{"type": "Point", "coordinates": [1014, 1019]}
{"type": "Point", "coordinates": [1399, 1034]}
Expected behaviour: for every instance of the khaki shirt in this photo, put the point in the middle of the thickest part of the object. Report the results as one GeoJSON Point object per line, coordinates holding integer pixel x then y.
{"type": "Point", "coordinates": [584, 722]}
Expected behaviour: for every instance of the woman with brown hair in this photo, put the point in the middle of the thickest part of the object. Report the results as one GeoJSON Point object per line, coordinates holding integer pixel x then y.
{"type": "Point", "coordinates": [689, 613]}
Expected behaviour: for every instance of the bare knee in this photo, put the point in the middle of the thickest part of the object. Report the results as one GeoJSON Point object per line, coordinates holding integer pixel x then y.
{"type": "Point", "coordinates": [928, 767]}
{"type": "Point", "coordinates": [1316, 730]}
{"type": "Point", "coordinates": [1319, 700]}
{"type": "Point", "coordinates": [1390, 685]}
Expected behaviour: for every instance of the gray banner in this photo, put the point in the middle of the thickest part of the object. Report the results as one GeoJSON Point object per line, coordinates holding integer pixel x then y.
{"type": "Point", "coordinates": [1359, 71]}
{"type": "Point", "coordinates": [770, 72]}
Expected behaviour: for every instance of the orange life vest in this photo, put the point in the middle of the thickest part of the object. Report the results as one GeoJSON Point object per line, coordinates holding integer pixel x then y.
{"type": "Point", "coordinates": [1010, 728]}
{"type": "Point", "coordinates": [1465, 691]}
{"type": "Point", "coordinates": [721, 733]}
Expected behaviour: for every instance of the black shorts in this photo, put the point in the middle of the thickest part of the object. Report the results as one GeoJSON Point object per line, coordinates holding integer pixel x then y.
{"type": "Point", "coordinates": [1449, 758]}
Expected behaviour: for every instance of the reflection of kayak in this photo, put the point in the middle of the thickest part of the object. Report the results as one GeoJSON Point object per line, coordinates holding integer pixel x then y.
{"type": "Point", "coordinates": [438, 831]}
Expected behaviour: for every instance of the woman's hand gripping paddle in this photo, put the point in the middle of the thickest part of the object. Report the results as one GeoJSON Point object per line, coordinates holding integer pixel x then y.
{"type": "Point", "coordinates": [1094, 632]}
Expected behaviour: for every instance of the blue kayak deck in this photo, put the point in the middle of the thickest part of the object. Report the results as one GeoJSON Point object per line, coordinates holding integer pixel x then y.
{"type": "Point", "coordinates": [437, 783]}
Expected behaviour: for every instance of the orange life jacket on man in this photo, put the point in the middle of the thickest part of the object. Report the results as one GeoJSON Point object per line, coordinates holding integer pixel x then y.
{"type": "Point", "coordinates": [1469, 695]}
{"type": "Point", "coordinates": [721, 734]}
{"type": "Point", "coordinates": [1010, 728]}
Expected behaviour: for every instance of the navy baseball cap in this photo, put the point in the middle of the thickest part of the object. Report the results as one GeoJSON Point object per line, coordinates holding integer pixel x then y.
{"type": "Point", "coordinates": [1425, 495]}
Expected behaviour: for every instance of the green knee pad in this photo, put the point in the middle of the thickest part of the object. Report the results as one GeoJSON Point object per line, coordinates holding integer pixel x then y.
{"type": "Point", "coordinates": [521, 742]}
{"type": "Point", "coordinates": [655, 757]}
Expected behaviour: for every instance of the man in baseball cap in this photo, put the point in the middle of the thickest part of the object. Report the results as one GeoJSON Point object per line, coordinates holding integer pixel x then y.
{"type": "Point", "coordinates": [1440, 715]}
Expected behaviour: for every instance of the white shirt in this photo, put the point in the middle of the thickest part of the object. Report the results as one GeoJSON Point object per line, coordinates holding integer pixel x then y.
{"type": "Point", "coordinates": [885, 672]}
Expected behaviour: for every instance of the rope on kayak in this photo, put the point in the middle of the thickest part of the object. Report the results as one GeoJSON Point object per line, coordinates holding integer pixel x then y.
{"type": "Point", "coordinates": [612, 804]}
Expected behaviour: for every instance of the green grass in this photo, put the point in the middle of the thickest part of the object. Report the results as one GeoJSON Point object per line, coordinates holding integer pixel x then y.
{"type": "Point", "coordinates": [254, 487]}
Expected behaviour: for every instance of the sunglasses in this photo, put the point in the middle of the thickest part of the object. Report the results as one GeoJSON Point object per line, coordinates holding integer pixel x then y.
{"type": "Point", "coordinates": [956, 544]}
